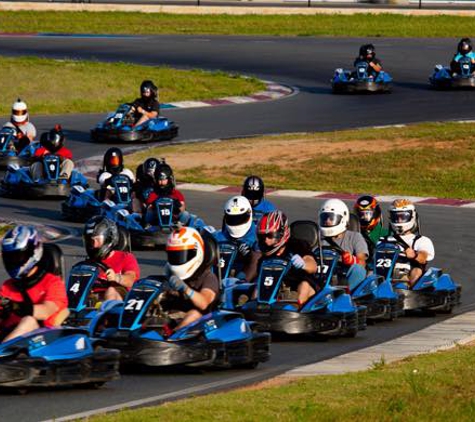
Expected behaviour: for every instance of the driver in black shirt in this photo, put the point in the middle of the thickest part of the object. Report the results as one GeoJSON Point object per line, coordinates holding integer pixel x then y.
{"type": "Point", "coordinates": [147, 106]}
{"type": "Point", "coordinates": [273, 234]}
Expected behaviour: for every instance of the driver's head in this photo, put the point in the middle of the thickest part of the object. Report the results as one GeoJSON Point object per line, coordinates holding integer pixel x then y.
{"type": "Point", "coordinates": [403, 216]}
{"type": "Point", "coordinates": [100, 237]}
{"type": "Point", "coordinates": [464, 46]}
{"type": "Point", "coordinates": [113, 160]}
{"type": "Point", "coordinates": [253, 190]}
{"type": "Point", "coordinates": [368, 211]}
{"type": "Point", "coordinates": [164, 179]}
{"type": "Point", "coordinates": [367, 52]}
{"type": "Point", "coordinates": [148, 90]}
{"type": "Point", "coordinates": [273, 232]}
{"type": "Point", "coordinates": [333, 217]}
{"type": "Point", "coordinates": [19, 113]}
{"type": "Point", "coordinates": [53, 140]}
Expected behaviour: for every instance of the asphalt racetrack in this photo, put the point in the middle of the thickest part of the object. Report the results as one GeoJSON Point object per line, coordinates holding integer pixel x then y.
{"type": "Point", "coordinates": [307, 64]}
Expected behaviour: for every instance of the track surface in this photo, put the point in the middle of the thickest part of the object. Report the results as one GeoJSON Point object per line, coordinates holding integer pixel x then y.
{"type": "Point", "coordinates": [308, 64]}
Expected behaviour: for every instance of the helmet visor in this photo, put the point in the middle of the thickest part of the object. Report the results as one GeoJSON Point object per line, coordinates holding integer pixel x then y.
{"type": "Point", "coordinates": [146, 91]}
{"type": "Point", "coordinates": [400, 216]}
{"type": "Point", "coordinates": [180, 256]}
{"type": "Point", "coordinates": [365, 215]}
{"type": "Point", "coordinates": [237, 220]}
{"type": "Point", "coordinates": [16, 112]}
{"type": "Point", "coordinates": [330, 219]}
{"type": "Point", "coordinates": [14, 260]}
{"type": "Point", "coordinates": [114, 160]}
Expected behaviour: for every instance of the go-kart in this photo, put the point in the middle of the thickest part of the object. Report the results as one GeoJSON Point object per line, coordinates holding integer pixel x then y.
{"type": "Point", "coordinates": [49, 357]}
{"type": "Point", "coordinates": [120, 126]}
{"type": "Point", "coordinates": [375, 292]}
{"type": "Point", "coordinates": [331, 311]}
{"type": "Point", "coordinates": [18, 182]}
{"type": "Point", "coordinates": [434, 291]}
{"type": "Point", "coordinates": [443, 78]}
{"type": "Point", "coordinates": [84, 203]}
{"type": "Point", "coordinates": [9, 149]}
{"type": "Point", "coordinates": [360, 81]}
{"type": "Point", "coordinates": [137, 328]}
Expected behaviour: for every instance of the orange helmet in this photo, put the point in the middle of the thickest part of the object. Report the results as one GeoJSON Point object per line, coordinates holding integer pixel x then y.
{"type": "Point", "coordinates": [368, 211]}
{"type": "Point", "coordinates": [185, 251]}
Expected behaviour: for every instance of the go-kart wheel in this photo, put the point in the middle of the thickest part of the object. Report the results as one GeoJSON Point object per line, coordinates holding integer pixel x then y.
{"type": "Point", "coordinates": [94, 385]}
{"type": "Point", "coordinates": [249, 365]}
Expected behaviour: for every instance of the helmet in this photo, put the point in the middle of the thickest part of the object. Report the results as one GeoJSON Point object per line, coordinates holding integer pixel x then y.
{"type": "Point", "coordinates": [53, 140]}
{"type": "Point", "coordinates": [367, 51]}
{"type": "Point", "coordinates": [253, 189]}
{"type": "Point", "coordinates": [107, 233]}
{"type": "Point", "coordinates": [148, 90]}
{"type": "Point", "coordinates": [464, 46]}
{"type": "Point", "coordinates": [186, 252]}
{"type": "Point", "coordinates": [164, 172]}
{"type": "Point", "coordinates": [22, 250]}
{"type": "Point", "coordinates": [113, 160]}
{"type": "Point", "coordinates": [274, 225]}
{"type": "Point", "coordinates": [333, 217]}
{"type": "Point", "coordinates": [146, 171]}
{"type": "Point", "coordinates": [368, 211]}
{"type": "Point", "coordinates": [237, 216]}
{"type": "Point", "coordinates": [19, 112]}
{"type": "Point", "coordinates": [402, 216]}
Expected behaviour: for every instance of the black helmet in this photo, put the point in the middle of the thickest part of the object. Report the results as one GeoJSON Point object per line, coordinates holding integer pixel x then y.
{"type": "Point", "coordinates": [22, 250]}
{"type": "Point", "coordinates": [253, 189]}
{"type": "Point", "coordinates": [146, 171]}
{"type": "Point", "coordinates": [164, 172]}
{"type": "Point", "coordinates": [146, 87]}
{"type": "Point", "coordinates": [53, 140]}
{"type": "Point", "coordinates": [100, 226]}
{"type": "Point", "coordinates": [113, 160]}
{"type": "Point", "coordinates": [464, 46]}
{"type": "Point", "coordinates": [367, 51]}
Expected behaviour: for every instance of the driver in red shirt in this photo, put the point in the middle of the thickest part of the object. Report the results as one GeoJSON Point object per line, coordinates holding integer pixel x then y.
{"type": "Point", "coordinates": [101, 236]}
{"type": "Point", "coordinates": [32, 297]}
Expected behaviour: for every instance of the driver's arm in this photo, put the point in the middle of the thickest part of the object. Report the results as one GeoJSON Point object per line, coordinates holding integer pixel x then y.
{"type": "Point", "coordinates": [200, 299]}
{"type": "Point", "coordinates": [362, 257]}
{"type": "Point", "coordinates": [44, 310]}
{"type": "Point", "coordinates": [376, 66]}
{"type": "Point", "coordinates": [310, 264]}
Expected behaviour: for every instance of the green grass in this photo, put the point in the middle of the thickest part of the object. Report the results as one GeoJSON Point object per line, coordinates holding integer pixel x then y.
{"type": "Point", "coordinates": [360, 25]}
{"type": "Point", "coordinates": [438, 159]}
{"type": "Point", "coordinates": [70, 86]}
{"type": "Point", "coordinates": [436, 387]}
{"type": "Point", "coordinates": [4, 228]}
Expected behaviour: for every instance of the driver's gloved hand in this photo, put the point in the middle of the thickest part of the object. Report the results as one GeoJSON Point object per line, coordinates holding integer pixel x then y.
{"type": "Point", "coordinates": [297, 261]}
{"type": "Point", "coordinates": [348, 259]}
{"type": "Point", "coordinates": [244, 249]}
{"type": "Point", "coordinates": [176, 283]}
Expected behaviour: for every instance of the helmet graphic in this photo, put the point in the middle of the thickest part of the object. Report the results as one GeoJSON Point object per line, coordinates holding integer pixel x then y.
{"type": "Point", "coordinates": [237, 216]}
{"type": "Point", "coordinates": [274, 225]}
{"type": "Point", "coordinates": [185, 251]}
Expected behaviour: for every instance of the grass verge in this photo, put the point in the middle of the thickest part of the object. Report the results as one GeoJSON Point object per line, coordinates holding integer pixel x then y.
{"type": "Point", "coordinates": [436, 387]}
{"type": "Point", "coordinates": [70, 86]}
{"type": "Point", "coordinates": [432, 159]}
{"type": "Point", "coordinates": [358, 25]}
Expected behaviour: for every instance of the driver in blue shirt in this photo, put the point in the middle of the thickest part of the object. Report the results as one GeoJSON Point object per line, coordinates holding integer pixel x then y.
{"type": "Point", "coordinates": [464, 50]}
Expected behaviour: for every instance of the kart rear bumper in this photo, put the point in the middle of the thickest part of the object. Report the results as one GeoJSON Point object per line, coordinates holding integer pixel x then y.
{"type": "Point", "coordinates": [100, 367]}
{"type": "Point", "coordinates": [361, 87]}
{"type": "Point", "coordinates": [455, 83]}
{"type": "Point", "coordinates": [78, 214]}
{"type": "Point", "coordinates": [6, 160]}
{"type": "Point", "coordinates": [383, 309]}
{"type": "Point", "coordinates": [192, 353]}
{"type": "Point", "coordinates": [149, 240]}
{"type": "Point", "coordinates": [36, 190]}
{"type": "Point", "coordinates": [293, 322]}
{"type": "Point", "coordinates": [112, 135]}
{"type": "Point", "coordinates": [439, 300]}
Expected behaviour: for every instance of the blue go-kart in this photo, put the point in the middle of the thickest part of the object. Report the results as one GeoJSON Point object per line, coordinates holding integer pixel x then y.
{"type": "Point", "coordinates": [331, 311]}
{"type": "Point", "coordinates": [120, 126]}
{"type": "Point", "coordinates": [84, 203]}
{"type": "Point", "coordinates": [18, 182]}
{"type": "Point", "coordinates": [360, 81]}
{"type": "Point", "coordinates": [434, 291]}
{"type": "Point", "coordinates": [9, 149]}
{"type": "Point", "coordinates": [49, 357]}
{"type": "Point", "coordinates": [443, 78]}
{"type": "Point", "coordinates": [137, 328]}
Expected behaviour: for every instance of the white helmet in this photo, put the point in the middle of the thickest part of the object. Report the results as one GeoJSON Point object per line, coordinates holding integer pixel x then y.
{"type": "Point", "coordinates": [402, 216]}
{"type": "Point", "coordinates": [185, 251]}
{"type": "Point", "coordinates": [19, 112]}
{"type": "Point", "coordinates": [333, 217]}
{"type": "Point", "coordinates": [237, 216]}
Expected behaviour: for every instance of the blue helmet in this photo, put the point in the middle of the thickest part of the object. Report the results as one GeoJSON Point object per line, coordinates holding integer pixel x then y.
{"type": "Point", "coordinates": [22, 250]}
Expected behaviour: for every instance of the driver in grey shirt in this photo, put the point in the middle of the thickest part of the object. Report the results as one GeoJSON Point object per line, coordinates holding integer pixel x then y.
{"type": "Point", "coordinates": [333, 221]}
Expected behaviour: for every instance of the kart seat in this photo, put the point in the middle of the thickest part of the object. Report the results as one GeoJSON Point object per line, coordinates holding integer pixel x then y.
{"type": "Point", "coordinates": [305, 230]}
{"type": "Point", "coordinates": [53, 259]}
{"type": "Point", "coordinates": [124, 243]}
{"type": "Point", "coordinates": [354, 223]}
